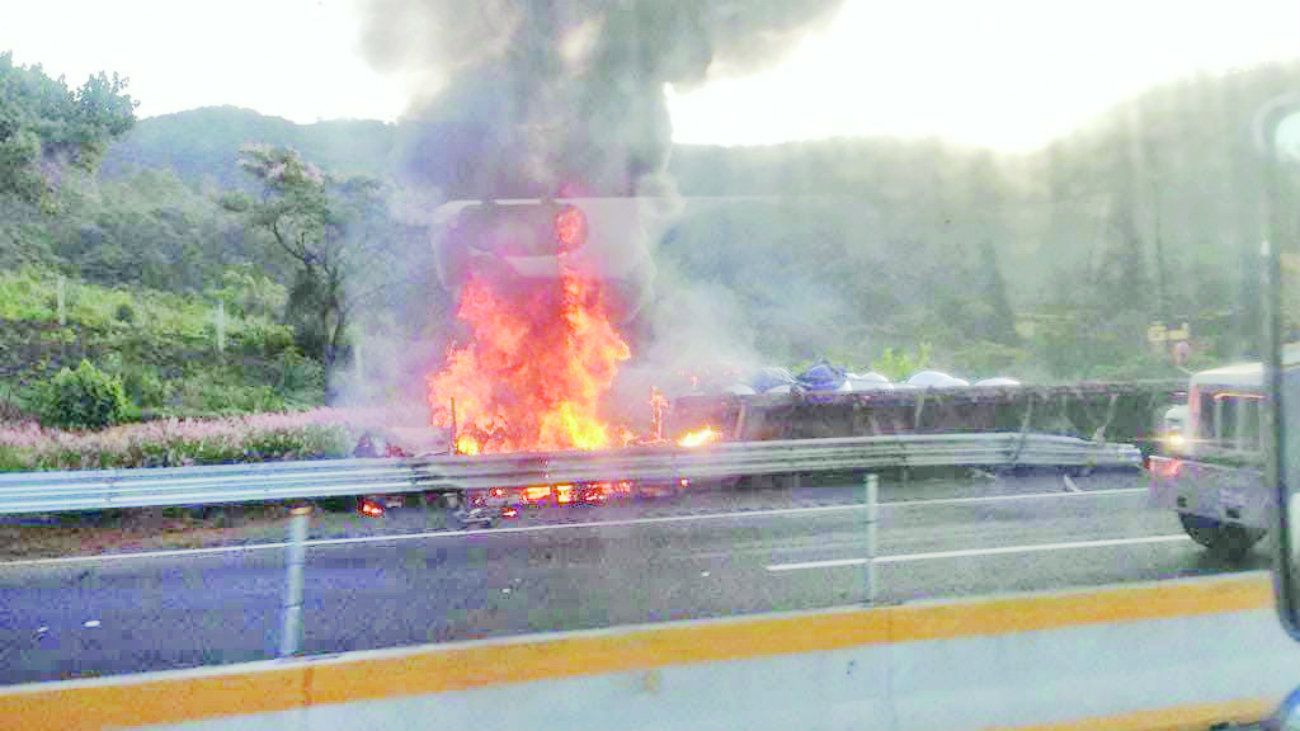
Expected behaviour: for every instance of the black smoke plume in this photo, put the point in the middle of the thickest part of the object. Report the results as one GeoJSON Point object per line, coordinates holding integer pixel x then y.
{"type": "Point", "coordinates": [524, 98]}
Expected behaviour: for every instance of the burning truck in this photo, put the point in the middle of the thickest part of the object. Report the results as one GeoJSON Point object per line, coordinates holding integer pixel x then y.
{"type": "Point", "coordinates": [548, 294]}
{"type": "Point", "coordinates": [542, 289]}
{"type": "Point", "coordinates": [545, 290]}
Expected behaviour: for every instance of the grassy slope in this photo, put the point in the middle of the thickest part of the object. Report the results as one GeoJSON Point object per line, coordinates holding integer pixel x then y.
{"type": "Point", "coordinates": [162, 344]}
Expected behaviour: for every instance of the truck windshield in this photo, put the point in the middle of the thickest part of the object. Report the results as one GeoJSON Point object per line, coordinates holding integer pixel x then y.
{"type": "Point", "coordinates": [566, 316]}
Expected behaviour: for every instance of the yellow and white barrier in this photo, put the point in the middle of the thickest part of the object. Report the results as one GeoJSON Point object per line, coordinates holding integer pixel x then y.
{"type": "Point", "coordinates": [1176, 654]}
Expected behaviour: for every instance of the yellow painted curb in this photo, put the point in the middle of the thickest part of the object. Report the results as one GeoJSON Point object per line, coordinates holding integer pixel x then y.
{"type": "Point", "coordinates": [1179, 718]}
{"type": "Point", "coordinates": [83, 707]}
{"type": "Point", "coordinates": [150, 700]}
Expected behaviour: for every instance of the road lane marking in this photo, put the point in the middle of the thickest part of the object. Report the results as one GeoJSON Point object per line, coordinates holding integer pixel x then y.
{"type": "Point", "coordinates": [327, 542]}
{"type": "Point", "coordinates": [1116, 492]}
{"type": "Point", "coordinates": [966, 553]}
{"type": "Point", "coordinates": [1033, 548]}
{"type": "Point", "coordinates": [817, 564]}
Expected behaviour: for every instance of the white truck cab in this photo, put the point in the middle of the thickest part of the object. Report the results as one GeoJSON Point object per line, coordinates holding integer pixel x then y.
{"type": "Point", "coordinates": [1212, 475]}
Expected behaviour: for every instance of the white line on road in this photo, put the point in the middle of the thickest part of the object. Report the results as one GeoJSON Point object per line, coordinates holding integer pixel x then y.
{"type": "Point", "coordinates": [905, 557]}
{"type": "Point", "coordinates": [818, 564]}
{"type": "Point", "coordinates": [552, 526]}
{"type": "Point", "coordinates": [998, 498]}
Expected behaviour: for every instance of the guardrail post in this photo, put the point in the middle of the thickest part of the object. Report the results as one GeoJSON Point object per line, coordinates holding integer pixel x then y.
{"type": "Point", "coordinates": [1014, 457]}
{"type": "Point", "coordinates": [870, 487]}
{"type": "Point", "coordinates": [291, 626]}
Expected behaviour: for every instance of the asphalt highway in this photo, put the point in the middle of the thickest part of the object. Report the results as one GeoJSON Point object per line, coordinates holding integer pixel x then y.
{"type": "Point", "coordinates": [391, 583]}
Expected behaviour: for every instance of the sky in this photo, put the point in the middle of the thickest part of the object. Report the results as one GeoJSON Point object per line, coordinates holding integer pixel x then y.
{"type": "Point", "coordinates": [1006, 74]}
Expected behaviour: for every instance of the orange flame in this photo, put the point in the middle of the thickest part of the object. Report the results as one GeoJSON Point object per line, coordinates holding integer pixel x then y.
{"type": "Point", "coordinates": [536, 493]}
{"type": "Point", "coordinates": [533, 375]}
{"type": "Point", "coordinates": [699, 437]}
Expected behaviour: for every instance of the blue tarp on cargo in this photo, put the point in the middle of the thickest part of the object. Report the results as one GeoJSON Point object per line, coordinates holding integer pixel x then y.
{"type": "Point", "coordinates": [822, 376]}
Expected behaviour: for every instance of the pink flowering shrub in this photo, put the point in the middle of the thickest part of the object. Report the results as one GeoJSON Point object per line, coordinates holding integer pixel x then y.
{"type": "Point", "coordinates": [317, 434]}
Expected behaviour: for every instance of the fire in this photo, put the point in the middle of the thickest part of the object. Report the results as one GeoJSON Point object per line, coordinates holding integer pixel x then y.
{"type": "Point", "coordinates": [699, 437]}
{"type": "Point", "coordinates": [533, 375]}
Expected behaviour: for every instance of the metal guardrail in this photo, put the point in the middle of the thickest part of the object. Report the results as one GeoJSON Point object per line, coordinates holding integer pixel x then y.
{"type": "Point", "coordinates": [47, 492]}
{"type": "Point", "coordinates": [740, 459]}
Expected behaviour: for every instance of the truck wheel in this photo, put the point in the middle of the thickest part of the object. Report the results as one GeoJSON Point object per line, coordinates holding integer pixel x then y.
{"type": "Point", "coordinates": [1228, 541]}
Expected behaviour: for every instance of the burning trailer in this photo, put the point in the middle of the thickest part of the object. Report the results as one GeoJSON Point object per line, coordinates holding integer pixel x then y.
{"type": "Point", "coordinates": [548, 292]}
{"type": "Point", "coordinates": [1130, 412]}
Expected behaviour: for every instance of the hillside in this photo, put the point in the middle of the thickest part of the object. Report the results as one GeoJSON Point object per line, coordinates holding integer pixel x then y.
{"type": "Point", "coordinates": [1051, 264]}
{"type": "Point", "coordinates": [202, 145]}
{"type": "Point", "coordinates": [163, 345]}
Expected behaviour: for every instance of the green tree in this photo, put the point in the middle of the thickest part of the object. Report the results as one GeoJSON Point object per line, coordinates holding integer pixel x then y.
{"type": "Point", "coordinates": [46, 127]}
{"type": "Point", "coordinates": [148, 229]}
{"type": "Point", "coordinates": [331, 231]}
{"type": "Point", "coordinates": [86, 398]}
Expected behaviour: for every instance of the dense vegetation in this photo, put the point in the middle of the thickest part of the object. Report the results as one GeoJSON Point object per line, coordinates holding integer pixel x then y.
{"type": "Point", "coordinates": [174, 443]}
{"type": "Point", "coordinates": [315, 238]}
